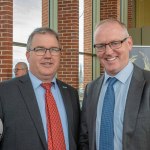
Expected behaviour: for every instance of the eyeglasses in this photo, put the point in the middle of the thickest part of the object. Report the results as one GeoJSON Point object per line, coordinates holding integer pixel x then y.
{"type": "Point", "coordinates": [113, 45]}
{"type": "Point", "coordinates": [40, 51]}
{"type": "Point", "coordinates": [17, 69]}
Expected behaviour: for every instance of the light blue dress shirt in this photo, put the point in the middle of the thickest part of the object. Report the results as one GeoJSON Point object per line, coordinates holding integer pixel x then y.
{"type": "Point", "coordinates": [121, 90]}
{"type": "Point", "coordinates": [40, 96]}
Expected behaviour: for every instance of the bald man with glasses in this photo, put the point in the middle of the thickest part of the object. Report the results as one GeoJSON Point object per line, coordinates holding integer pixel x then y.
{"type": "Point", "coordinates": [116, 106]}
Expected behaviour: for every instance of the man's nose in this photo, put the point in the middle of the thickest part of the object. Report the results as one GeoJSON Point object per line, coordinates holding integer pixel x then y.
{"type": "Point", "coordinates": [48, 53]}
{"type": "Point", "coordinates": [108, 49]}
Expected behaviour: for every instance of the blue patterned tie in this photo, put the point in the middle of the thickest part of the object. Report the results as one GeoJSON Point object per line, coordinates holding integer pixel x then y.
{"type": "Point", "coordinates": [107, 123]}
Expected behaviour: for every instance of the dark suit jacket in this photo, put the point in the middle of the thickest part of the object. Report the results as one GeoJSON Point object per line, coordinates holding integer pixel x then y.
{"type": "Point", "coordinates": [136, 125]}
{"type": "Point", "coordinates": [23, 128]}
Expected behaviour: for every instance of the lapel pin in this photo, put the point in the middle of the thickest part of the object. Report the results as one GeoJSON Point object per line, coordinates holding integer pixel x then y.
{"type": "Point", "coordinates": [64, 87]}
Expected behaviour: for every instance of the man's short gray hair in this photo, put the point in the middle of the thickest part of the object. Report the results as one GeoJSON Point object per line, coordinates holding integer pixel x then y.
{"type": "Point", "coordinates": [42, 30]}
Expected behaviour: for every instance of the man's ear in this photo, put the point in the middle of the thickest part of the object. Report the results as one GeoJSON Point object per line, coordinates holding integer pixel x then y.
{"type": "Point", "coordinates": [27, 55]}
{"type": "Point", "coordinates": [130, 43]}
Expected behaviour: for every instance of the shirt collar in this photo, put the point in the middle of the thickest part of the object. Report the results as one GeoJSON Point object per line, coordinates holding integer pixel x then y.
{"type": "Point", "coordinates": [36, 82]}
{"type": "Point", "coordinates": [123, 75]}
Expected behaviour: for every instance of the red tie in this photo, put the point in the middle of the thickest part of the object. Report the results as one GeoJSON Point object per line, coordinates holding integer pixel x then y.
{"type": "Point", "coordinates": [55, 132]}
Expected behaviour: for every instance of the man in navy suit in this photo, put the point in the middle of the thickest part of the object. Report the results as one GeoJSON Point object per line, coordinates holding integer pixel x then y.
{"type": "Point", "coordinates": [131, 114]}
{"type": "Point", "coordinates": [22, 100]}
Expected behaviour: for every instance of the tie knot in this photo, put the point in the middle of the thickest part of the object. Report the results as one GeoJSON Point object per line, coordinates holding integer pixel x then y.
{"type": "Point", "coordinates": [46, 86]}
{"type": "Point", "coordinates": [112, 81]}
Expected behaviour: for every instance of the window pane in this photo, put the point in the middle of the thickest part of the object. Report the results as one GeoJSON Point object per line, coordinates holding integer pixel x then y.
{"type": "Point", "coordinates": [81, 24]}
{"type": "Point", "coordinates": [81, 77]}
{"type": "Point", "coordinates": [27, 15]}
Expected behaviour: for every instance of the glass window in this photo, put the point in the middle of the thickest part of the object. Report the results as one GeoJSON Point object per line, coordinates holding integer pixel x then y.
{"type": "Point", "coordinates": [27, 15]}
{"type": "Point", "coordinates": [81, 48]}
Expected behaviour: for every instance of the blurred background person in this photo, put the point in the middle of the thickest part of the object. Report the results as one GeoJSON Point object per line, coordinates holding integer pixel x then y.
{"type": "Point", "coordinates": [20, 69]}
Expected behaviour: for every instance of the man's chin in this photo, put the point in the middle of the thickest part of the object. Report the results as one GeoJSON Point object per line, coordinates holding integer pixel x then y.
{"type": "Point", "coordinates": [112, 71]}
{"type": "Point", "coordinates": [49, 75]}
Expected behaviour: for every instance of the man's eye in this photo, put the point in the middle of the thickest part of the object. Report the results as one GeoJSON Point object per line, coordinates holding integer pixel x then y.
{"type": "Point", "coordinates": [55, 49]}
{"type": "Point", "coordinates": [39, 49]}
{"type": "Point", "coordinates": [100, 46]}
{"type": "Point", "coordinates": [114, 43]}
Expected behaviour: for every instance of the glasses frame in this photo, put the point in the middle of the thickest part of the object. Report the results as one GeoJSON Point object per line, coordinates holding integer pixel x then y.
{"type": "Point", "coordinates": [110, 45]}
{"type": "Point", "coordinates": [17, 69]}
{"type": "Point", "coordinates": [44, 50]}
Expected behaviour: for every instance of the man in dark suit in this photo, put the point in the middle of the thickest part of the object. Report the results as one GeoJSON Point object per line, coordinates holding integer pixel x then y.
{"type": "Point", "coordinates": [131, 114]}
{"type": "Point", "coordinates": [22, 100]}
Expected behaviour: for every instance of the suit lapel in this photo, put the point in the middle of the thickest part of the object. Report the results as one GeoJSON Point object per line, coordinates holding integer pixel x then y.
{"type": "Point", "coordinates": [67, 99]}
{"type": "Point", "coordinates": [67, 102]}
{"type": "Point", "coordinates": [27, 91]}
{"type": "Point", "coordinates": [93, 94]}
{"type": "Point", "coordinates": [132, 105]}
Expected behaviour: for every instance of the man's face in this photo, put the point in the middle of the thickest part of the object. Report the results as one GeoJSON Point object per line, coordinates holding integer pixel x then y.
{"type": "Point", "coordinates": [19, 71]}
{"type": "Point", "coordinates": [113, 60]}
{"type": "Point", "coordinates": [43, 67]}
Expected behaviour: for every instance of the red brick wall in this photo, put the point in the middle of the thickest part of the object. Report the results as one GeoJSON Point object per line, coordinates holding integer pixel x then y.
{"type": "Point", "coordinates": [108, 9]}
{"type": "Point", "coordinates": [118, 9]}
{"type": "Point", "coordinates": [130, 14]}
{"type": "Point", "coordinates": [6, 30]}
{"type": "Point", "coordinates": [87, 41]}
{"type": "Point", "coordinates": [68, 28]}
{"type": "Point", "coordinates": [45, 13]}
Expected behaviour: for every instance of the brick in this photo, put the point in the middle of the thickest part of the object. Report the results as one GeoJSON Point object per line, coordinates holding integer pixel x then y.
{"type": "Point", "coordinates": [68, 24]}
{"type": "Point", "coordinates": [6, 28]}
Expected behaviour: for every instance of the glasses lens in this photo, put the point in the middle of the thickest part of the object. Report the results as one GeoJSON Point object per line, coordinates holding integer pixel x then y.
{"type": "Point", "coordinates": [115, 45]}
{"type": "Point", "coordinates": [100, 47]}
{"type": "Point", "coordinates": [16, 70]}
{"type": "Point", "coordinates": [55, 50]}
{"type": "Point", "coordinates": [39, 51]}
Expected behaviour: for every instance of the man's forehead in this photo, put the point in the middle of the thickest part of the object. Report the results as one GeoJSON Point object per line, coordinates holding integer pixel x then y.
{"type": "Point", "coordinates": [18, 66]}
